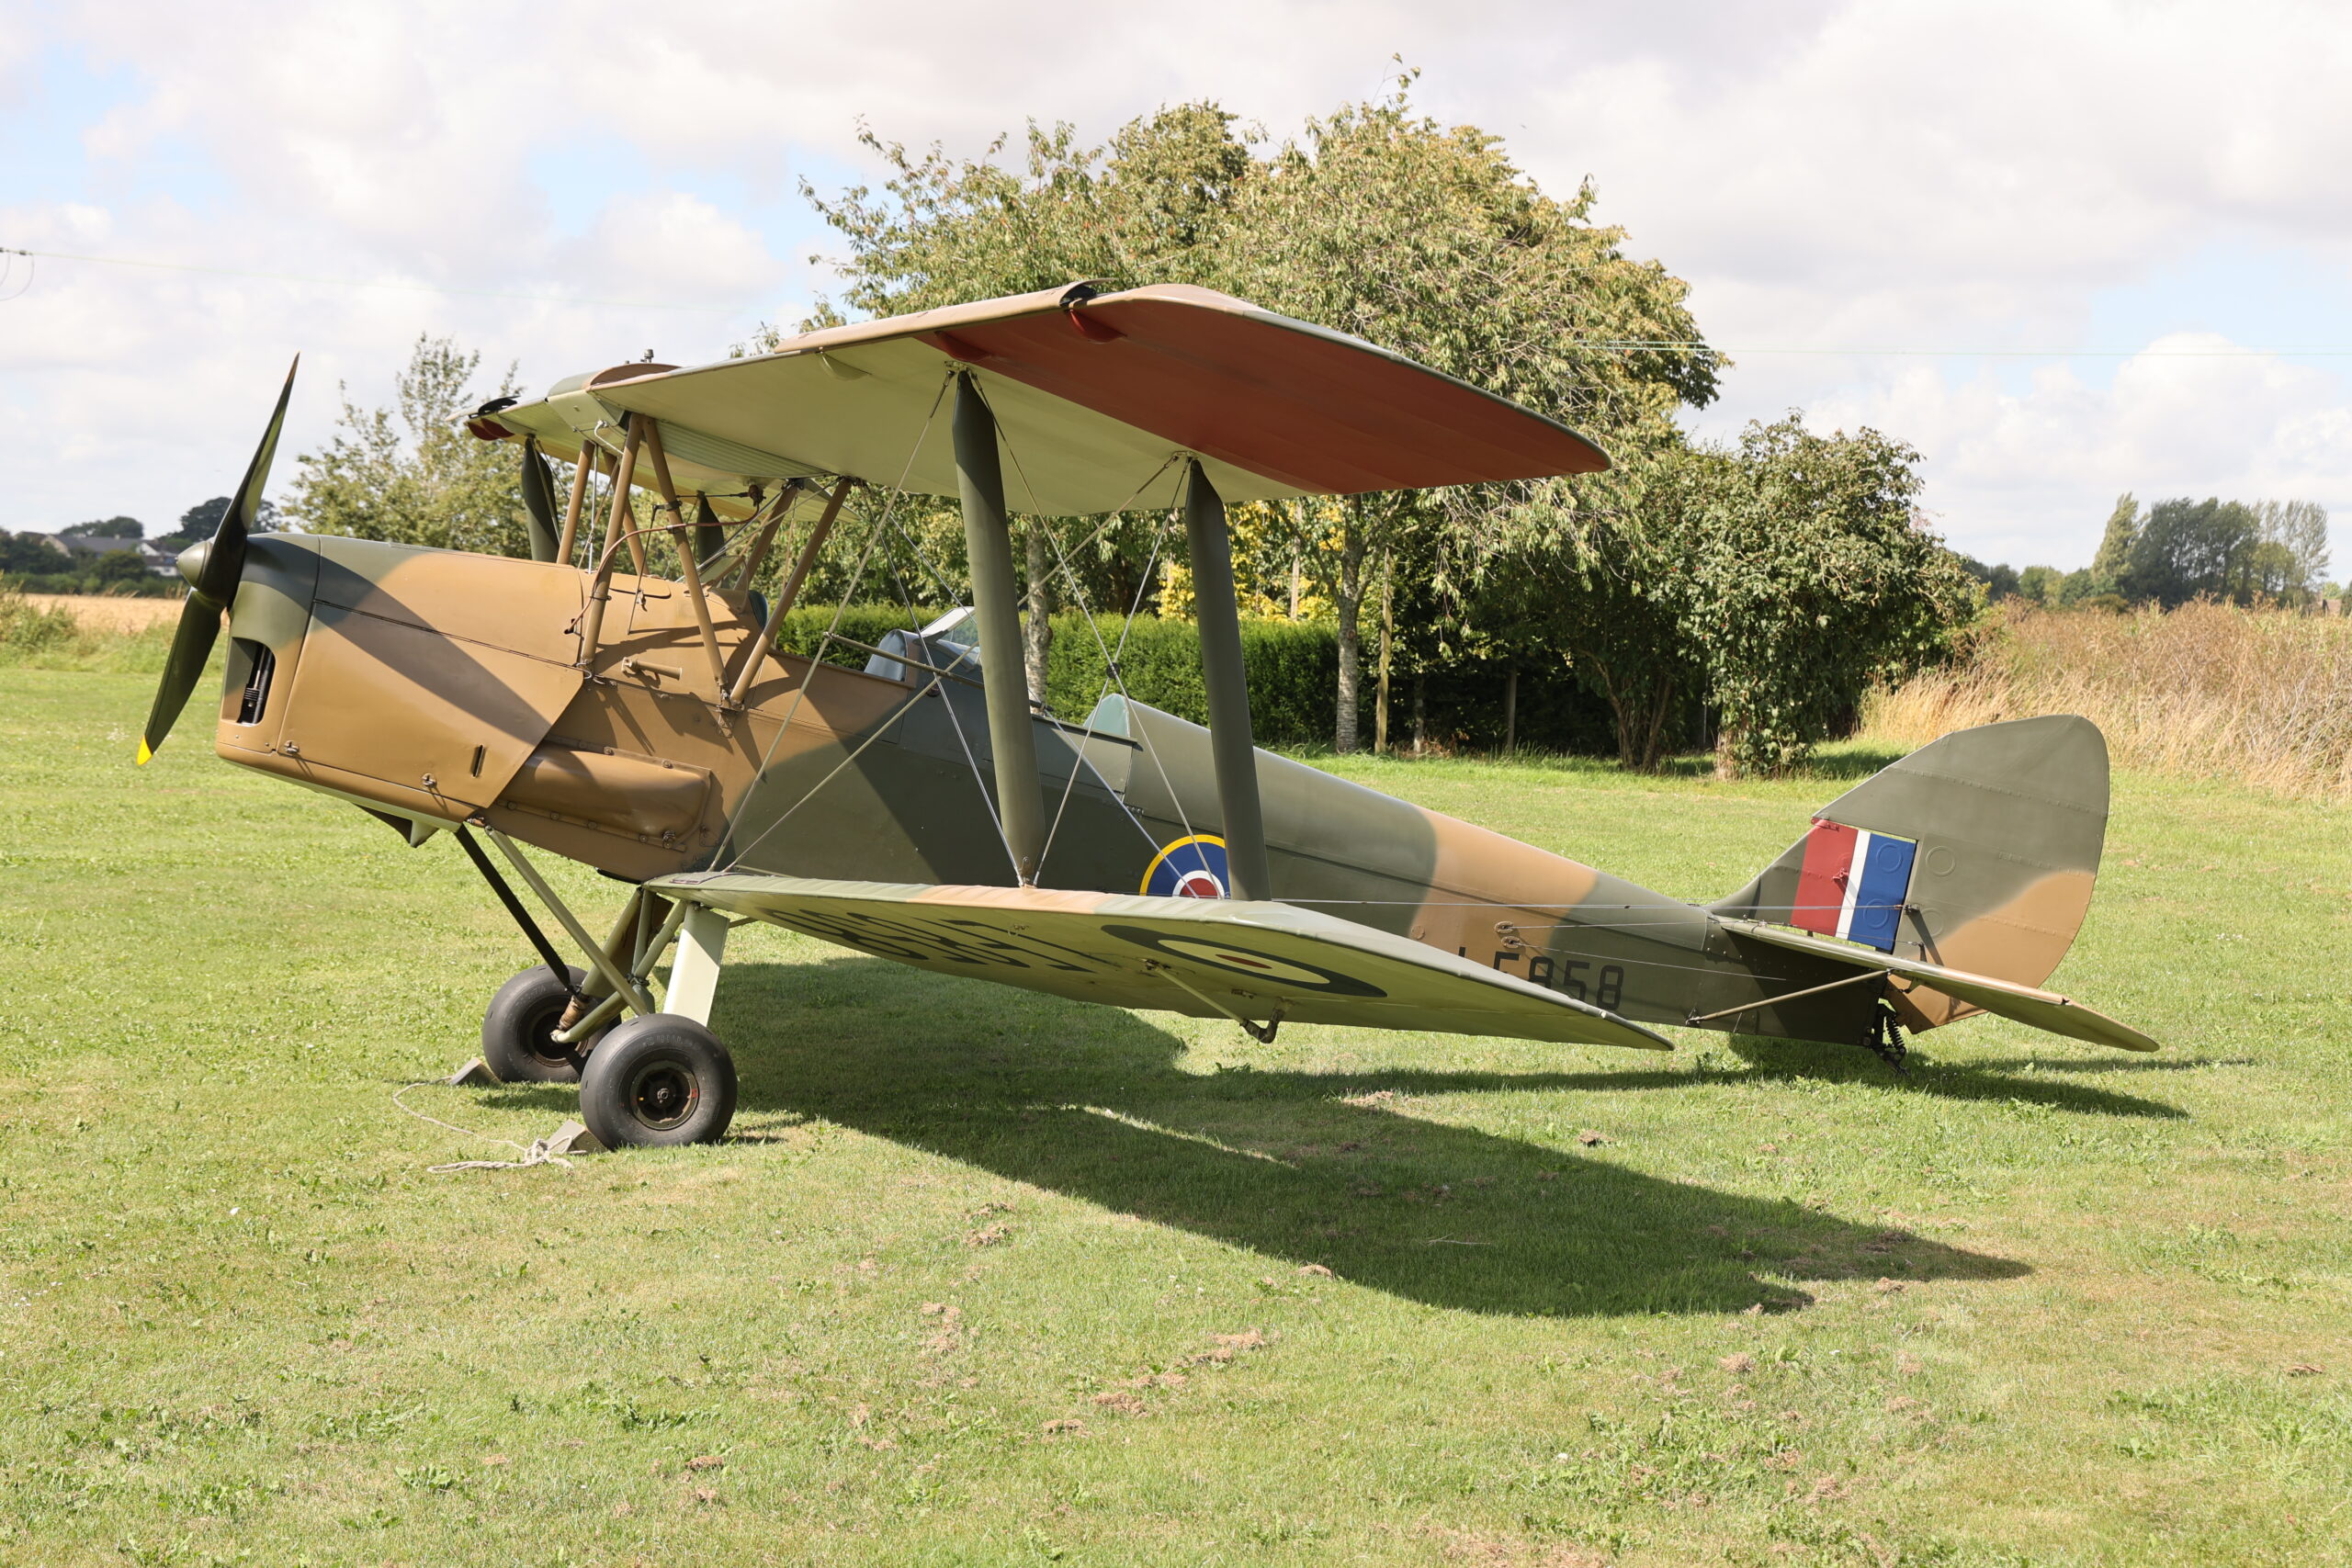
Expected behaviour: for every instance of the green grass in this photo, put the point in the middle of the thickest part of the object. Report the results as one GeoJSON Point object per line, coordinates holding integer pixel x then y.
{"type": "Point", "coordinates": [2038, 1304]}
{"type": "Point", "coordinates": [34, 637]}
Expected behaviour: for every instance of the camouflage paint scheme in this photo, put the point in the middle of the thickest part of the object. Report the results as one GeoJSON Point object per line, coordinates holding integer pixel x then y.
{"type": "Point", "coordinates": [438, 686]}
{"type": "Point", "coordinates": [636, 724]}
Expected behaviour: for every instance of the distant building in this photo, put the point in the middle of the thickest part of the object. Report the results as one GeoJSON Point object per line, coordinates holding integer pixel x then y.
{"type": "Point", "coordinates": [85, 550]}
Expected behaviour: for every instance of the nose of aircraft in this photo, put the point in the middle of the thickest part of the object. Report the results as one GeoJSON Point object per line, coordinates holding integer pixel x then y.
{"type": "Point", "coordinates": [212, 570]}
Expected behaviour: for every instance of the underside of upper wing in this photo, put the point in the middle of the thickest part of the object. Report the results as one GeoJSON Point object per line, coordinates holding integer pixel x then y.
{"type": "Point", "coordinates": [1250, 961]}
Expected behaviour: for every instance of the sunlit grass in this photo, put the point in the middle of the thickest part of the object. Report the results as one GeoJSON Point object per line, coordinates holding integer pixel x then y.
{"type": "Point", "coordinates": [988, 1277]}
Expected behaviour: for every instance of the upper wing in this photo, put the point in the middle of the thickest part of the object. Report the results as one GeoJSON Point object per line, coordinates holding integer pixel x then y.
{"type": "Point", "coordinates": [2027, 1004]}
{"type": "Point", "coordinates": [1205, 957]}
{"type": "Point", "coordinates": [1094, 394]}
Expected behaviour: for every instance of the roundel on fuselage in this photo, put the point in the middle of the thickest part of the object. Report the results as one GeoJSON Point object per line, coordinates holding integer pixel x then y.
{"type": "Point", "coordinates": [1192, 867]}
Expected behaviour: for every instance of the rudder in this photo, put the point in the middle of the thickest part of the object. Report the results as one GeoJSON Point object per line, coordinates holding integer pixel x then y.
{"type": "Point", "coordinates": [1978, 852]}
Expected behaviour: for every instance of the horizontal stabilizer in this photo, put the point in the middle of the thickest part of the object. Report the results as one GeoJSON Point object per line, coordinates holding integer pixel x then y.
{"type": "Point", "coordinates": [1207, 957]}
{"type": "Point", "coordinates": [2043, 1009]}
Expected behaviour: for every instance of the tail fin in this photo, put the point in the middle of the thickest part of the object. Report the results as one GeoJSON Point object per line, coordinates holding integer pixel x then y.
{"type": "Point", "coordinates": [1976, 852]}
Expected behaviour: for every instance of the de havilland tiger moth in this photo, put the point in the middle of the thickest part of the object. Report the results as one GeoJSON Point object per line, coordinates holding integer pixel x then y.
{"type": "Point", "coordinates": [620, 700]}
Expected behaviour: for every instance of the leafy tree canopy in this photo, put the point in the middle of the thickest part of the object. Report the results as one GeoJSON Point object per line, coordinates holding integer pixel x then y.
{"type": "Point", "coordinates": [120, 566]}
{"type": "Point", "coordinates": [414, 476]}
{"type": "Point", "coordinates": [1812, 578]}
{"type": "Point", "coordinates": [1776, 580]}
{"type": "Point", "coordinates": [105, 528]}
{"type": "Point", "coordinates": [31, 553]}
{"type": "Point", "coordinates": [200, 521]}
{"type": "Point", "coordinates": [1376, 220]}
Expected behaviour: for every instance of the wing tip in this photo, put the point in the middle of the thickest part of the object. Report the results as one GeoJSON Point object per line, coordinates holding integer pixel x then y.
{"type": "Point", "coordinates": [146, 752]}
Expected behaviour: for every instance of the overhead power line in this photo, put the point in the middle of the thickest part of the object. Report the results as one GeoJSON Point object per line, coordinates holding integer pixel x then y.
{"type": "Point", "coordinates": [364, 283]}
{"type": "Point", "coordinates": [2230, 353]}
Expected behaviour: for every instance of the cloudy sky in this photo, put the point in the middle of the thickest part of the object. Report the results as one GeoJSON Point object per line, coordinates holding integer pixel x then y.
{"type": "Point", "coordinates": [2065, 248]}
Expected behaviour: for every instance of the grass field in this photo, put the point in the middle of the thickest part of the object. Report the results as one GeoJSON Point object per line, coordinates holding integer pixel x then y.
{"type": "Point", "coordinates": [986, 1277]}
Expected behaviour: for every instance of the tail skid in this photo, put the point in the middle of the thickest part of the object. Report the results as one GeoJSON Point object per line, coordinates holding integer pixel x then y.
{"type": "Point", "coordinates": [2027, 1004]}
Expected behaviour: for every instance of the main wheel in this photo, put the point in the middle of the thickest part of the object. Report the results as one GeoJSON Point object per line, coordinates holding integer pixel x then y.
{"type": "Point", "coordinates": [518, 1032]}
{"type": "Point", "coordinates": [657, 1080]}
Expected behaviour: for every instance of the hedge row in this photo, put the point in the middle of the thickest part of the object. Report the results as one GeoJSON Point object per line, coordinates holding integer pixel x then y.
{"type": "Point", "coordinates": [1294, 677]}
{"type": "Point", "coordinates": [146, 586]}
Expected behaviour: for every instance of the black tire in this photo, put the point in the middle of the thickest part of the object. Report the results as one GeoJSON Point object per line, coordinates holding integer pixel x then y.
{"type": "Point", "coordinates": [658, 1080]}
{"type": "Point", "coordinates": [517, 1031]}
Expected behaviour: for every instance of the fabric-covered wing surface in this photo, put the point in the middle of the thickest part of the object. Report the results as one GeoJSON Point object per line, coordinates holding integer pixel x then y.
{"type": "Point", "coordinates": [1203, 957]}
{"type": "Point", "coordinates": [1093, 393]}
{"type": "Point", "coordinates": [2027, 1004]}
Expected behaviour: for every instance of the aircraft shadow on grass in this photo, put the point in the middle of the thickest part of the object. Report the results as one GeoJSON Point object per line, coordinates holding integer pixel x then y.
{"type": "Point", "coordinates": [1307, 1167]}
{"type": "Point", "coordinates": [1778, 1059]}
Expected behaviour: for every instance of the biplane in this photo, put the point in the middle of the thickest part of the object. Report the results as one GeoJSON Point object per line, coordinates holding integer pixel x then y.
{"type": "Point", "coordinates": [622, 700]}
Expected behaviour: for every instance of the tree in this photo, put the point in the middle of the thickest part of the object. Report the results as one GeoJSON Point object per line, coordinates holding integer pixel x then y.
{"type": "Point", "coordinates": [2297, 530]}
{"type": "Point", "coordinates": [1813, 577]}
{"type": "Point", "coordinates": [2189, 549]}
{"type": "Point", "coordinates": [32, 554]}
{"type": "Point", "coordinates": [1151, 207]}
{"type": "Point", "coordinates": [1778, 580]}
{"type": "Point", "coordinates": [202, 519]}
{"type": "Point", "coordinates": [1148, 207]}
{"type": "Point", "coordinates": [1429, 241]}
{"type": "Point", "coordinates": [2183, 549]}
{"type": "Point", "coordinates": [2001, 582]}
{"type": "Point", "coordinates": [120, 566]}
{"type": "Point", "coordinates": [2041, 584]}
{"type": "Point", "coordinates": [424, 483]}
{"type": "Point", "coordinates": [105, 528]}
{"type": "Point", "coordinates": [1602, 583]}
{"type": "Point", "coordinates": [2112, 565]}
{"type": "Point", "coordinates": [1375, 220]}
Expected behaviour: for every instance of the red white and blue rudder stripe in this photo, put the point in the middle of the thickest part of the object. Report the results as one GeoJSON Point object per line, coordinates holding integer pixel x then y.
{"type": "Point", "coordinates": [1853, 884]}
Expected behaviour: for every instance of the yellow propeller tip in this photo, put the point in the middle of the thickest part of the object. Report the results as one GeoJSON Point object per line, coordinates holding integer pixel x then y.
{"type": "Point", "coordinates": [145, 752]}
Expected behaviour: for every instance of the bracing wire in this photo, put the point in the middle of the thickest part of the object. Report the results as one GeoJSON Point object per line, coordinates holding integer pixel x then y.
{"type": "Point", "coordinates": [832, 629]}
{"type": "Point", "coordinates": [1110, 658]}
{"type": "Point", "coordinates": [954, 722]}
{"type": "Point", "coordinates": [1111, 675]}
{"type": "Point", "coordinates": [914, 550]}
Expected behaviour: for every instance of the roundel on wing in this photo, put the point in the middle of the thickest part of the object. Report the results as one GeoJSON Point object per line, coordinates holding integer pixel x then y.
{"type": "Point", "coordinates": [1207, 949]}
{"type": "Point", "coordinates": [1191, 867]}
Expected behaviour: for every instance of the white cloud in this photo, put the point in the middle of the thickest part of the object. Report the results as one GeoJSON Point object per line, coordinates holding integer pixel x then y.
{"type": "Point", "coordinates": [2033, 472]}
{"type": "Point", "coordinates": [682, 245]}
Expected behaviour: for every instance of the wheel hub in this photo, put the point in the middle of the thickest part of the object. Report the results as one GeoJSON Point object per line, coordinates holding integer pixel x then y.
{"type": "Point", "coordinates": [662, 1094]}
{"type": "Point", "coordinates": [540, 1038]}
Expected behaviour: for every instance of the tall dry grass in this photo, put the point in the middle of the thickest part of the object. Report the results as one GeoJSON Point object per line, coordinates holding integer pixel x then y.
{"type": "Point", "coordinates": [2260, 696]}
{"type": "Point", "coordinates": [37, 633]}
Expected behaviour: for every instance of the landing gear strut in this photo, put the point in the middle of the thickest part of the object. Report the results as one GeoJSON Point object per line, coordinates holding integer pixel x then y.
{"type": "Point", "coordinates": [657, 1079]}
{"type": "Point", "coordinates": [518, 1032]}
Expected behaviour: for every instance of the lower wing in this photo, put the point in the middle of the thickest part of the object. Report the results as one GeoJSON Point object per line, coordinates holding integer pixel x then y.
{"type": "Point", "coordinates": [1246, 960]}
